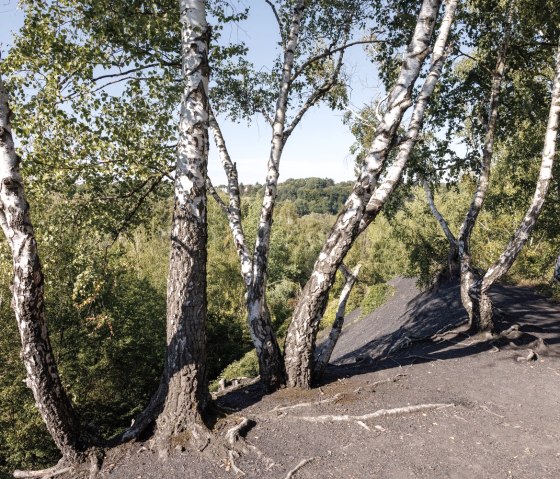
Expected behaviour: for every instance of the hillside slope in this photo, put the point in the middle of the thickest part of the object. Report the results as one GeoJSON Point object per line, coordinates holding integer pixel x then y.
{"type": "Point", "coordinates": [450, 407]}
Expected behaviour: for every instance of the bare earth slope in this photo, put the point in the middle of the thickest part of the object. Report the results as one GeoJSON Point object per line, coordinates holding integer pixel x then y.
{"type": "Point", "coordinates": [499, 413]}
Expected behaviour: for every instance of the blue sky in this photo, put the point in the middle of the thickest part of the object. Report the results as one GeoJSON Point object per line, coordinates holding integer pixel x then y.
{"type": "Point", "coordinates": [319, 145]}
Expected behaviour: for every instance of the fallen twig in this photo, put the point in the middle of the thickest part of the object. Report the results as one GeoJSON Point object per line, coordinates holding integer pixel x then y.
{"type": "Point", "coordinates": [363, 424]}
{"type": "Point", "coordinates": [487, 409]}
{"type": "Point", "coordinates": [299, 466]}
{"type": "Point", "coordinates": [389, 380]}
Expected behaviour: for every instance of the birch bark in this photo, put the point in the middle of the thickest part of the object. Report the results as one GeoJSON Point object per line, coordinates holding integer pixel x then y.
{"type": "Point", "coordinates": [364, 202]}
{"type": "Point", "coordinates": [268, 351]}
{"type": "Point", "coordinates": [479, 291]}
{"type": "Point", "coordinates": [556, 275]}
{"type": "Point", "coordinates": [453, 255]}
{"type": "Point", "coordinates": [185, 379]}
{"type": "Point", "coordinates": [324, 353]}
{"type": "Point", "coordinates": [469, 276]}
{"type": "Point", "coordinates": [28, 300]}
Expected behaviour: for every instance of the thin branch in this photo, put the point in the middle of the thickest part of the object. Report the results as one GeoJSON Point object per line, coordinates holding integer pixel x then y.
{"type": "Point", "coordinates": [122, 73]}
{"type": "Point", "coordinates": [476, 60]}
{"type": "Point", "coordinates": [278, 20]}
{"type": "Point", "coordinates": [329, 52]}
{"type": "Point", "coordinates": [438, 216]}
{"type": "Point", "coordinates": [210, 188]}
{"type": "Point", "coordinates": [135, 209]}
{"type": "Point", "coordinates": [317, 95]}
{"type": "Point", "coordinates": [299, 466]}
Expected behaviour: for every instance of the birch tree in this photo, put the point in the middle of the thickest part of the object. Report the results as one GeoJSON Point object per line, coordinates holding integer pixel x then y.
{"type": "Point", "coordinates": [474, 282]}
{"type": "Point", "coordinates": [368, 197]}
{"type": "Point", "coordinates": [183, 395]}
{"type": "Point", "coordinates": [294, 66]}
{"type": "Point", "coordinates": [468, 273]}
{"type": "Point", "coordinates": [28, 304]}
{"type": "Point", "coordinates": [482, 304]}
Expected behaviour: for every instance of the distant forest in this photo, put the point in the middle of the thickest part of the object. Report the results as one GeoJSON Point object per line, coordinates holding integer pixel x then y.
{"type": "Point", "coordinates": [309, 195]}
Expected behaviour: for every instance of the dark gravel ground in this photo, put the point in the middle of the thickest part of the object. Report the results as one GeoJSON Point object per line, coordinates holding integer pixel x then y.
{"type": "Point", "coordinates": [501, 418]}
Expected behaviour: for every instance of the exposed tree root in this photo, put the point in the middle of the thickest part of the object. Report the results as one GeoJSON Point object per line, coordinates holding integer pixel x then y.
{"type": "Point", "coordinates": [237, 444]}
{"type": "Point", "coordinates": [231, 463]}
{"type": "Point", "coordinates": [60, 468]}
{"type": "Point", "coordinates": [299, 466]}
{"type": "Point", "coordinates": [65, 466]}
{"type": "Point", "coordinates": [335, 398]}
{"type": "Point", "coordinates": [373, 415]}
{"type": "Point", "coordinates": [233, 434]}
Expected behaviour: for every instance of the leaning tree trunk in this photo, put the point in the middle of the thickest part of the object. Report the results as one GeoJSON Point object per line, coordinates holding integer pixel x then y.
{"type": "Point", "coordinates": [324, 353]}
{"type": "Point", "coordinates": [185, 375]}
{"type": "Point", "coordinates": [479, 291]}
{"type": "Point", "coordinates": [359, 211]}
{"type": "Point", "coordinates": [453, 265]}
{"type": "Point", "coordinates": [28, 300]}
{"type": "Point", "coordinates": [469, 275]}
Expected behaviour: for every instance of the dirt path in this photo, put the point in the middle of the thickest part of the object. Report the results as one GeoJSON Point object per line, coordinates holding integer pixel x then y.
{"type": "Point", "coordinates": [499, 418]}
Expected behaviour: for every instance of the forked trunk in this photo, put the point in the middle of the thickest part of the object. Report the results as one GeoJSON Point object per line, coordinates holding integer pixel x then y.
{"type": "Point", "coordinates": [28, 300]}
{"type": "Point", "coordinates": [520, 237]}
{"type": "Point", "coordinates": [364, 203]}
{"type": "Point", "coordinates": [468, 276]}
{"type": "Point", "coordinates": [482, 311]}
{"type": "Point", "coordinates": [468, 280]}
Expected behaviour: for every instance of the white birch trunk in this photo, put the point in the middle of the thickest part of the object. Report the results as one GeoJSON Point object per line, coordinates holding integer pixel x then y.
{"type": "Point", "coordinates": [28, 300]}
{"type": "Point", "coordinates": [556, 275]}
{"type": "Point", "coordinates": [452, 257]}
{"type": "Point", "coordinates": [324, 353]}
{"type": "Point", "coordinates": [469, 276]}
{"type": "Point", "coordinates": [508, 256]}
{"type": "Point", "coordinates": [234, 208]}
{"type": "Point", "coordinates": [357, 213]}
{"type": "Point", "coordinates": [185, 379]}
{"type": "Point", "coordinates": [268, 351]}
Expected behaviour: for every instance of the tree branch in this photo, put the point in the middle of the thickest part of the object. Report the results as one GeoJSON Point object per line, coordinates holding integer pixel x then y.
{"type": "Point", "coordinates": [315, 97]}
{"type": "Point", "coordinates": [329, 52]}
{"type": "Point", "coordinates": [278, 20]}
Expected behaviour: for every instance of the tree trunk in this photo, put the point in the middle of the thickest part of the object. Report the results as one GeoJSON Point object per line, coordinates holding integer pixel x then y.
{"type": "Point", "coordinates": [453, 263]}
{"type": "Point", "coordinates": [482, 310]}
{"type": "Point", "coordinates": [271, 364]}
{"type": "Point", "coordinates": [480, 290]}
{"type": "Point", "coordinates": [556, 276]}
{"type": "Point", "coordinates": [364, 204]}
{"type": "Point", "coordinates": [324, 354]}
{"type": "Point", "coordinates": [28, 300]}
{"type": "Point", "coordinates": [185, 376]}
{"type": "Point", "coordinates": [469, 278]}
